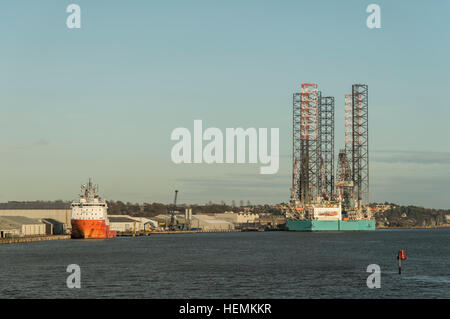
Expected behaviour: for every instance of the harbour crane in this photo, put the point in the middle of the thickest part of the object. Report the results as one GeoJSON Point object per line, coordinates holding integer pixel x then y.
{"type": "Point", "coordinates": [172, 212]}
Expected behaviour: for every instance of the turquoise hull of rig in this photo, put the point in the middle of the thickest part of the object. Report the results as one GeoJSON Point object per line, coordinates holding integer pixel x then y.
{"type": "Point", "coordinates": [330, 225]}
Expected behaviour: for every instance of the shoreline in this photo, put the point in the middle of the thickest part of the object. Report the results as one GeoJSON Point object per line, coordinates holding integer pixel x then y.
{"type": "Point", "coordinates": [415, 227]}
{"type": "Point", "coordinates": [14, 240]}
{"type": "Point", "coordinates": [150, 233]}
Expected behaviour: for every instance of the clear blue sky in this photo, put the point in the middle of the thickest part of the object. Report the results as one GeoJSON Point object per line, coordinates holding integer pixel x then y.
{"type": "Point", "coordinates": [102, 101]}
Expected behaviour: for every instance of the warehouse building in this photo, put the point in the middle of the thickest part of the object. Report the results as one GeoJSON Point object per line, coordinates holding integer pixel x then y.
{"type": "Point", "coordinates": [146, 223]}
{"type": "Point", "coordinates": [53, 227]}
{"type": "Point", "coordinates": [59, 211]}
{"type": "Point", "coordinates": [239, 218]}
{"type": "Point", "coordinates": [447, 219]}
{"type": "Point", "coordinates": [8, 229]}
{"type": "Point", "coordinates": [196, 222]}
{"type": "Point", "coordinates": [123, 223]}
{"type": "Point", "coordinates": [210, 223]}
{"type": "Point", "coordinates": [163, 220]}
{"type": "Point", "coordinates": [22, 226]}
{"type": "Point", "coordinates": [269, 221]}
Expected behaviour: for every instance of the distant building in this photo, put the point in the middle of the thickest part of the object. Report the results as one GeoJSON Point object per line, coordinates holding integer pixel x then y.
{"type": "Point", "coordinates": [447, 219]}
{"type": "Point", "coordinates": [147, 223]}
{"type": "Point", "coordinates": [381, 208]}
{"type": "Point", "coordinates": [9, 229]}
{"type": "Point", "coordinates": [60, 215]}
{"type": "Point", "coordinates": [164, 219]}
{"type": "Point", "coordinates": [210, 223]}
{"type": "Point", "coordinates": [53, 227]}
{"type": "Point", "coordinates": [21, 226]}
{"type": "Point", "coordinates": [272, 221]}
{"type": "Point", "coordinates": [122, 223]}
{"type": "Point", "coordinates": [239, 218]}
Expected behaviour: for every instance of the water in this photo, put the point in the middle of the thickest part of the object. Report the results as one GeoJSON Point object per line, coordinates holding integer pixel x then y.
{"type": "Point", "coordinates": [232, 265]}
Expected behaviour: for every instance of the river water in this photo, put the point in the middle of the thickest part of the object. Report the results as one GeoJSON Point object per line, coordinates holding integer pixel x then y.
{"type": "Point", "coordinates": [232, 265]}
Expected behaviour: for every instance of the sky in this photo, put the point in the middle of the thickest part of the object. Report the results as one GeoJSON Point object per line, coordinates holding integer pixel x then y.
{"type": "Point", "coordinates": [101, 101]}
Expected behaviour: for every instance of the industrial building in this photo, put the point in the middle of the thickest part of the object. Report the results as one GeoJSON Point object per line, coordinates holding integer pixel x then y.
{"type": "Point", "coordinates": [146, 223]}
{"type": "Point", "coordinates": [61, 215]}
{"type": "Point", "coordinates": [269, 221]}
{"type": "Point", "coordinates": [53, 227]}
{"type": "Point", "coordinates": [164, 220]}
{"type": "Point", "coordinates": [195, 222]}
{"type": "Point", "coordinates": [8, 229]}
{"type": "Point", "coordinates": [125, 223]}
{"type": "Point", "coordinates": [13, 226]}
{"type": "Point", "coordinates": [239, 218]}
{"type": "Point", "coordinates": [210, 223]}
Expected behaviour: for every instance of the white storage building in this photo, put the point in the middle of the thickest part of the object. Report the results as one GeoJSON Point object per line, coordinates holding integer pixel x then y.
{"type": "Point", "coordinates": [23, 226]}
{"type": "Point", "coordinates": [210, 223]}
{"type": "Point", "coordinates": [8, 229]}
{"type": "Point", "coordinates": [122, 223]}
{"type": "Point", "coordinates": [239, 218]}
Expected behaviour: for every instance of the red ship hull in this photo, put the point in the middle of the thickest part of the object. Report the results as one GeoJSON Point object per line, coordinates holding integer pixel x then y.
{"type": "Point", "coordinates": [91, 229]}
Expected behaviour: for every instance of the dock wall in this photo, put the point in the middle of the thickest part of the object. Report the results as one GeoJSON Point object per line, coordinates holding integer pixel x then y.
{"type": "Point", "coordinates": [31, 239]}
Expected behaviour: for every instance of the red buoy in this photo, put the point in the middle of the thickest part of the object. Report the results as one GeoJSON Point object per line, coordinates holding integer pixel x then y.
{"type": "Point", "coordinates": [400, 256]}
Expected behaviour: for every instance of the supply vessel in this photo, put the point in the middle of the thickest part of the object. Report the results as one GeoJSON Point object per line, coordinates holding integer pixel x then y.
{"type": "Point", "coordinates": [89, 215]}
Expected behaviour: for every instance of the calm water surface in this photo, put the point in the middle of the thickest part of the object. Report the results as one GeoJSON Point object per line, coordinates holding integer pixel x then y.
{"type": "Point", "coordinates": [232, 265]}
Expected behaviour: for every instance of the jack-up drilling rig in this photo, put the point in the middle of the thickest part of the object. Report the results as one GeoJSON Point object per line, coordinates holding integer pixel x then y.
{"type": "Point", "coordinates": [314, 203]}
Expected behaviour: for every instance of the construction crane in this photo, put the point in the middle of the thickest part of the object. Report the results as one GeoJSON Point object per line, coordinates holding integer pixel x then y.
{"type": "Point", "coordinates": [172, 212]}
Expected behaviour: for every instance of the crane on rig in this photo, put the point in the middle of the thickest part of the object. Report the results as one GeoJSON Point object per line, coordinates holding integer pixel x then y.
{"type": "Point", "coordinates": [172, 212]}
